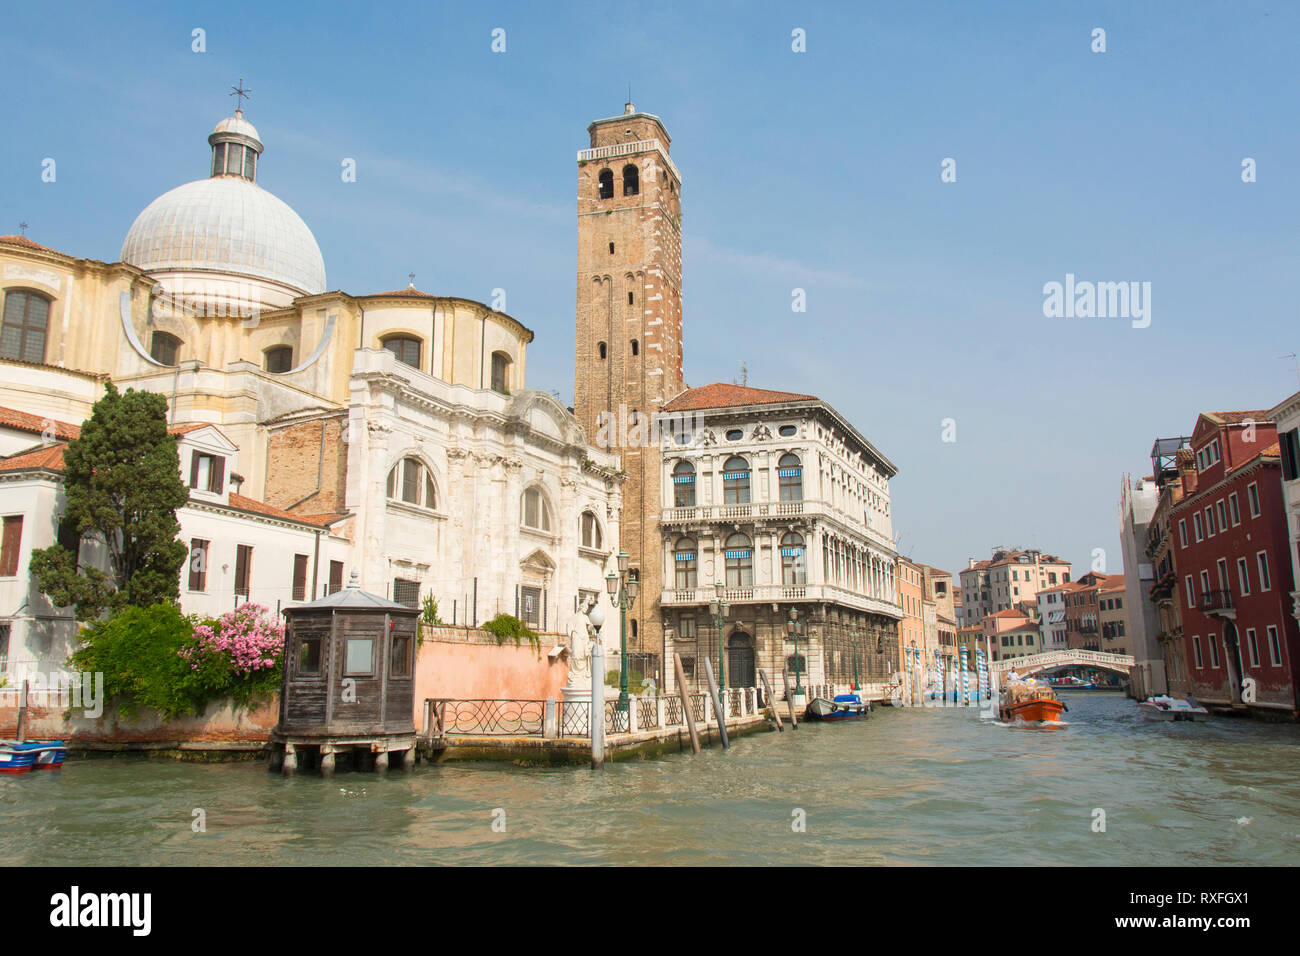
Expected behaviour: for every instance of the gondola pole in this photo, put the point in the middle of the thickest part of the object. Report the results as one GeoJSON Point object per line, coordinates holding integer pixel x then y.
{"type": "Point", "coordinates": [717, 704]}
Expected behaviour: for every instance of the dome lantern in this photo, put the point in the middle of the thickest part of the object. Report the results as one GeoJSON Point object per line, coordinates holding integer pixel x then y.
{"type": "Point", "coordinates": [235, 148]}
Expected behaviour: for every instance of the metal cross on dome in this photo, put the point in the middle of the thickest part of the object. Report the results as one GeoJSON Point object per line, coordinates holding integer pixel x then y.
{"type": "Point", "coordinates": [240, 92]}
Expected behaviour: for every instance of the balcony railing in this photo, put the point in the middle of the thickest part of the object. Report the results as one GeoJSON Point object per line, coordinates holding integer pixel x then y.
{"type": "Point", "coordinates": [1212, 601]}
{"type": "Point", "coordinates": [681, 597]}
{"type": "Point", "coordinates": [768, 511]}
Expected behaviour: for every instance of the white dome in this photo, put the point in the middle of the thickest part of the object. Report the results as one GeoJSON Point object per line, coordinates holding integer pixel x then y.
{"type": "Point", "coordinates": [227, 225]}
{"type": "Point", "coordinates": [237, 124]}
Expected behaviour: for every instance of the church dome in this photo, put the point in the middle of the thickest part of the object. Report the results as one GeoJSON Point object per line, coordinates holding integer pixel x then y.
{"type": "Point", "coordinates": [227, 224]}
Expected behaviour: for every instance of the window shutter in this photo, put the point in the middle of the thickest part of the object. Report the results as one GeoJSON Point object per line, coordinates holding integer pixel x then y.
{"type": "Point", "coordinates": [218, 474]}
{"type": "Point", "coordinates": [13, 535]}
{"type": "Point", "coordinates": [194, 469]}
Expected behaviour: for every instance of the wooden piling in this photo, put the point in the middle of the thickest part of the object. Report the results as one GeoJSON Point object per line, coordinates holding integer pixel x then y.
{"type": "Point", "coordinates": [771, 699]}
{"type": "Point", "coordinates": [685, 696]}
{"type": "Point", "coordinates": [718, 710]}
{"type": "Point", "coordinates": [785, 679]}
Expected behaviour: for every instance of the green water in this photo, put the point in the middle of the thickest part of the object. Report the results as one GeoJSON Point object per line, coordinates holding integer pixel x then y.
{"type": "Point", "coordinates": [908, 786]}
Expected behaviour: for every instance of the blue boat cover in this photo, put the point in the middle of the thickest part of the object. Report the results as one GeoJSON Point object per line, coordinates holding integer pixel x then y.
{"type": "Point", "coordinates": [847, 699]}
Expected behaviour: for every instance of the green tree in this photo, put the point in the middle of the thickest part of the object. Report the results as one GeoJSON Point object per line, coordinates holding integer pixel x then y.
{"type": "Point", "coordinates": [122, 481]}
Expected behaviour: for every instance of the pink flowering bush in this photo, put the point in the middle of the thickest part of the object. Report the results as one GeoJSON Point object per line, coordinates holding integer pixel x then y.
{"type": "Point", "coordinates": [239, 654]}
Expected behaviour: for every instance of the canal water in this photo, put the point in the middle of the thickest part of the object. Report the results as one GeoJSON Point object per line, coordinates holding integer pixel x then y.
{"type": "Point", "coordinates": [907, 786]}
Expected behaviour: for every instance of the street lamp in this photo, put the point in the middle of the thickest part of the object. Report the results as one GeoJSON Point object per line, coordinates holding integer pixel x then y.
{"type": "Point", "coordinates": [795, 629]}
{"type": "Point", "coordinates": [719, 609]}
{"type": "Point", "coordinates": [622, 589]}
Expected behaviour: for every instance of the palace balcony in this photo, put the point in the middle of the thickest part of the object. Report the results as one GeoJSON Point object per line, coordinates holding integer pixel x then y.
{"type": "Point", "coordinates": [1217, 604]}
{"type": "Point", "coordinates": [767, 512]}
{"type": "Point", "coordinates": [1086, 627]}
{"type": "Point", "coordinates": [1163, 590]}
{"type": "Point", "coordinates": [780, 594]}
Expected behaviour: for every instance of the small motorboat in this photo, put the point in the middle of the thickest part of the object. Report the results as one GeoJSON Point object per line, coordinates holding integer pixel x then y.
{"type": "Point", "coordinates": [1072, 683]}
{"type": "Point", "coordinates": [842, 707]}
{"type": "Point", "coordinates": [1029, 701]}
{"type": "Point", "coordinates": [1165, 707]}
{"type": "Point", "coordinates": [18, 757]}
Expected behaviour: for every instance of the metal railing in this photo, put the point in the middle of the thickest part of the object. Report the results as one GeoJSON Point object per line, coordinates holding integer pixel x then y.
{"type": "Point", "coordinates": [1219, 600]}
{"type": "Point", "coordinates": [575, 718]}
{"type": "Point", "coordinates": [492, 717]}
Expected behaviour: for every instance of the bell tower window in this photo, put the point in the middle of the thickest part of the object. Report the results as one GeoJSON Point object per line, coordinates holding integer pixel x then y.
{"type": "Point", "coordinates": [606, 184]}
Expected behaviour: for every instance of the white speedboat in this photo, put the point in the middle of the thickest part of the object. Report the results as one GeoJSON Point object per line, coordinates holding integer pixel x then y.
{"type": "Point", "coordinates": [1165, 707]}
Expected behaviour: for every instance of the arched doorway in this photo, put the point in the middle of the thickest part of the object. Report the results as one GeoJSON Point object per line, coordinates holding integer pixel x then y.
{"type": "Point", "coordinates": [740, 660]}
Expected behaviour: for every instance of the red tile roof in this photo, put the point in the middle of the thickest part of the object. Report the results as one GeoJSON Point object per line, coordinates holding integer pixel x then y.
{"type": "Point", "coordinates": [27, 422]}
{"type": "Point", "coordinates": [1010, 612]}
{"type": "Point", "coordinates": [49, 457]}
{"type": "Point", "coordinates": [253, 506]}
{"type": "Point", "coordinates": [26, 244]}
{"type": "Point", "coordinates": [724, 395]}
{"type": "Point", "coordinates": [1236, 418]}
{"type": "Point", "coordinates": [409, 290]}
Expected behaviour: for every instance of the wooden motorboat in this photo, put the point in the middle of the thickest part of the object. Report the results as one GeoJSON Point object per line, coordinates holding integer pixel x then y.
{"type": "Point", "coordinates": [842, 707]}
{"type": "Point", "coordinates": [18, 757]}
{"type": "Point", "coordinates": [1165, 707]}
{"type": "Point", "coordinates": [1031, 702]}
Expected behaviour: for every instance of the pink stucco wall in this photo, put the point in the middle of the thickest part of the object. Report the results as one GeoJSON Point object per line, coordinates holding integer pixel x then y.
{"type": "Point", "coordinates": [48, 718]}
{"type": "Point", "coordinates": [466, 665]}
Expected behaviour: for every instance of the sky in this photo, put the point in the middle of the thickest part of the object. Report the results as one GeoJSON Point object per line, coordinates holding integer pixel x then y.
{"type": "Point", "coordinates": [818, 170]}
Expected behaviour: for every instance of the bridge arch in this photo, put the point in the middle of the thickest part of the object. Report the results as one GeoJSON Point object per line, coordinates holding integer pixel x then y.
{"type": "Point", "coordinates": [1051, 660]}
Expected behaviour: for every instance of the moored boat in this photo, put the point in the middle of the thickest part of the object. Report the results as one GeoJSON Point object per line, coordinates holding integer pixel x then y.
{"type": "Point", "coordinates": [1031, 702]}
{"type": "Point", "coordinates": [1164, 707]}
{"type": "Point", "coordinates": [18, 757]}
{"type": "Point", "coordinates": [843, 707]}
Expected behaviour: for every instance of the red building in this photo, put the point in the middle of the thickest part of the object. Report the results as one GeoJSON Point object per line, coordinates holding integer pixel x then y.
{"type": "Point", "coordinates": [1082, 626]}
{"type": "Point", "coordinates": [1231, 550]}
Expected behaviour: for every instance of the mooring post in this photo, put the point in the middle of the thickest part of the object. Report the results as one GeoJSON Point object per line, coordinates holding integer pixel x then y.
{"type": "Point", "coordinates": [718, 709]}
{"type": "Point", "coordinates": [596, 724]}
{"type": "Point", "coordinates": [785, 679]}
{"type": "Point", "coordinates": [685, 697]}
{"type": "Point", "coordinates": [771, 699]}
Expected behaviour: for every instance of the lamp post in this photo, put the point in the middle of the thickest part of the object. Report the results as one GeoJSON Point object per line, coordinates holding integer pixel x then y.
{"type": "Point", "coordinates": [719, 609]}
{"type": "Point", "coordinates": [795, 629]}
{"type": "Point", "coordinates": [622, 589]}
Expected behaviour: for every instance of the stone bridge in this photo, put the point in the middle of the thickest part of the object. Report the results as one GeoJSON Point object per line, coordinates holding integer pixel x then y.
{"type": "Point", "coordinates": [1050, 660]}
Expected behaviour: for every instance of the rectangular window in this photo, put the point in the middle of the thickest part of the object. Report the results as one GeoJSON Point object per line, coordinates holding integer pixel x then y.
{"type": "Point", "coordinates": [1182, 533]}
{"type": "Point", "coordinates": [1221, 514]}
{"type": "Point", "coordinates": [1265, 582]}
{"type": "Point", "coordinates": [336, 576]}
{"type": "Point", "coordinates": [309, 657]}
{"type": "Point", "coordinates": [207, 472]}
{"type": "Point", "coordinates": [1252, 644]}
{"type": "Point", "coordinates": [400, 662]}
{"type": "Point", "coordinates": [12, 545]}
{"type": "Point", "coordinates": [686, 628]}
{"type": "Point", "coordinates": [1209, 522]}
{"type": "Point", "coordinates": [1243, 576]}
{"type": "Point", "coordinates": [1205, 583]}
{"type": "Point", "coordinates": [1222, 567]}
{"type": "Point", "coordinates": [1290, 442]}
{"type": "Point", "coordinates": [1197, 528]}
{"type": "Point", "coordinates": [243, 569]}
{"type": "Point", "coordinates": [1252, 495]}
{"type": "Point", "coordinates": [359, 659]}
{"type": "Point", "coordinates": [1214, 651]}
{"type": "Point", "coordinates": [198, 564]}
{"type": "Point", "coordinates": [1274, 647]}
{"type": "Point", "coordinates": [1196, 651]}
{"type": "Point", "coordinates": [300, 577]}
{"type": "Point", "coordinates": [406, 592]}
{"type": "Point", "coordinates": [530, 610]}
{"type": "Point", "coordinates": [1234, 508]}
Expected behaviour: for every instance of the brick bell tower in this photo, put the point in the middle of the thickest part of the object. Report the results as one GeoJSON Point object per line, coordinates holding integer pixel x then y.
{"type": "Point", "coordinates": [629, 328]}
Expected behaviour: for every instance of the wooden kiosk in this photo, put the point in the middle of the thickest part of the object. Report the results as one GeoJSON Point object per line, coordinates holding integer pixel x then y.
{"type": "Point", "coordinates": [349, 683]}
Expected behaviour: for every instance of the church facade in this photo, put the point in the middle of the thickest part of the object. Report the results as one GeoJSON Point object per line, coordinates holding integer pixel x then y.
{"type": "Point", "coordinates": [399, 423]}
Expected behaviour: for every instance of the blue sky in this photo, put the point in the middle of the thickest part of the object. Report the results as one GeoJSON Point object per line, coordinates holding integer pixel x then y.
{"type": "Point", "coordinates": [816, 170]}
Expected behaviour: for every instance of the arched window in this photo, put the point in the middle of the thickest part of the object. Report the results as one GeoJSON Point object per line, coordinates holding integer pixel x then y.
{"type": "Point", "coordinates": [789, 473]}
{"type": "Point", "coordinates": [683, 485]}
{"type": "Point", "coordinates": [631, 180]}
{"type": "Point", "coordinates": [739, 555]}
{"type": "Point", "coordinates": [590, 531]}
{"type": "Point", "coordinates": [685, 561]}
{"type": "Point", "coordinates": [606, 184]}
{"type": "Point", "coordinates": [164, 348]}
{"type": "Point", "coordinates": [279, 358]}
{"type": "Point", "coordinates": [794, 562]}
{"type": "Point", "coordinates": [405, 347]}
{"type": "Point", "coordinates": [501, 373]}
{"type": "Point", "coordinates": [535, 513]}
{"type": "Point", "coordinates": [601, 349]}
{"type": "Point", "coordinates": [410, 481]}
{"type": "Point", "coordinates": [26, 319]}
{"type": "Point", "coordinates": [636, 348]}
{"type": "Point", "coordinates": [735, 481]}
